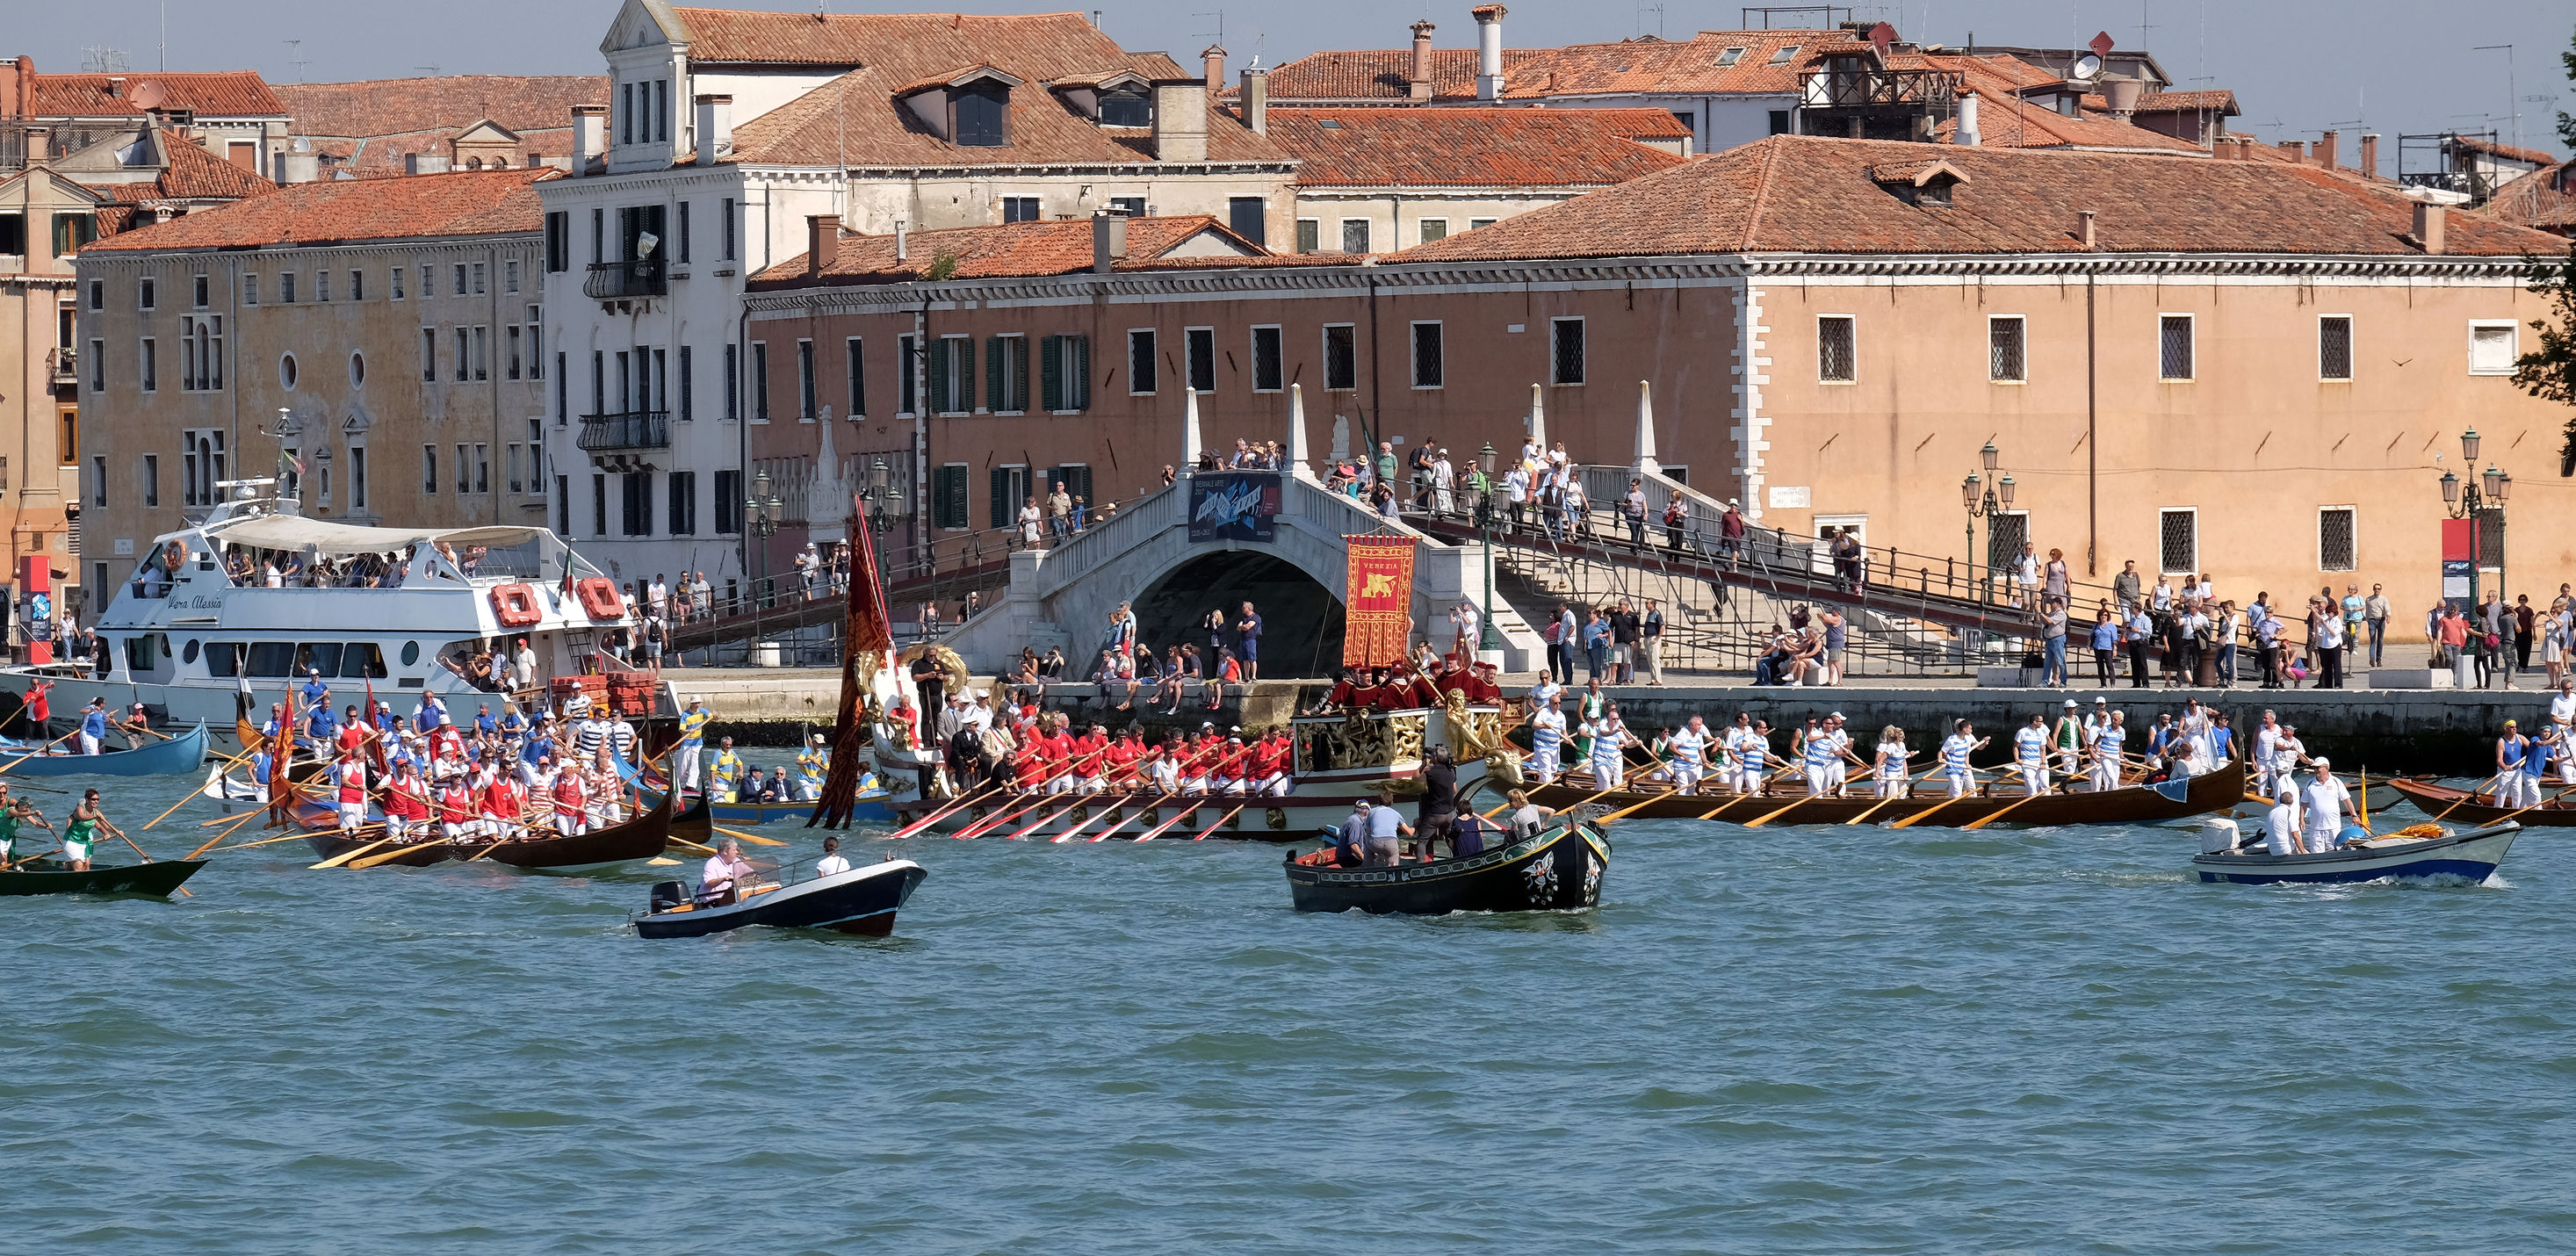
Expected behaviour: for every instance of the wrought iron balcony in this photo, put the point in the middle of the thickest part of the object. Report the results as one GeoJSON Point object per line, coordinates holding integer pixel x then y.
{"type": "Point", "coordinates": [612, 281]}
{"type": "Point", "coordinates": [635, 429]}
{"type": "Point", "coordinates": [66, 365]}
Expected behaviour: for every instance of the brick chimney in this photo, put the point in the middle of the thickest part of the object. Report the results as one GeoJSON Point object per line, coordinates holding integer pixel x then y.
{"type": "Point", "coordinates": [1212, 58]}
{"type": "Point", "coordinates": [38, 140]}
{"type": "Point", "coordinates": [2084, 229]}
{"type": "Point", "coordinates": [2369, 155]}
{"type": "Point", "coordinates": [1256, 101]}
{"type": "Point", "coordinates": [1419, 77]}
{"type": "Point", "coordinates": [2428, 228]}
{"type": "Point", "coordinates": [1489, 51]}
{"type": "Point", "coordinates": [1180, 121]}
{"type": "Point", "coordinates": [822, 243]}
{"type": "Point", "coordinates": [2327, 143]}
{"type": "Point", "coordinates": [2297, 149]}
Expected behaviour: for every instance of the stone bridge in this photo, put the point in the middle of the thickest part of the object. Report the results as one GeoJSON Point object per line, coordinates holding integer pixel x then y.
{"type": "Point", "coordinates": [1063, 595]}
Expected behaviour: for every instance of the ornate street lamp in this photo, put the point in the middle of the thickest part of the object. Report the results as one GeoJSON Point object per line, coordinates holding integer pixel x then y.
{"type": "Point", "coordinates": [1486, 638]}
{"type": "Point", "coordinates": [2479, 497]}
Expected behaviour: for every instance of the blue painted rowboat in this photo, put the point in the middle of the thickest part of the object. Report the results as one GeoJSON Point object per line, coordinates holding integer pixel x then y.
{"type": "Point", "coordinates": [2470, 855]}
{"type": "Point", "coordinates": [183, 753]}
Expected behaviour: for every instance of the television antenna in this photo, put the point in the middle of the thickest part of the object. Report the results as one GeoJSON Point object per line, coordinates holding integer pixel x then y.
{"type": "Point", "coordinates": [101, 59]}
{"type": "Point", "coordinates": [2513, 103]}
{"type": "Point", "coordinates": [295, 57]}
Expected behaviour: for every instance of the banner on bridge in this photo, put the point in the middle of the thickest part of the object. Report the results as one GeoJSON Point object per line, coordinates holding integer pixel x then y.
{"type": "Point", "coordinates": [1377, 597]}
{"type": "Point", "coordinates": [1234, 506]}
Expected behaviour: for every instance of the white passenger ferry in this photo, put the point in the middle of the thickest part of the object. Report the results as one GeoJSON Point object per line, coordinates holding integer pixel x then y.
{"type": "Point", "coordinates": [199, 626]}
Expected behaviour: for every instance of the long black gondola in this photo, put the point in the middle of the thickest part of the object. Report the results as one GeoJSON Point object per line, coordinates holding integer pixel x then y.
{"type": "Point", "coordinates": [44, 876]}
{"type": "Point", "coordinates": [1559, 869]}
{"type": "Point", "coordinates": [862, 900]}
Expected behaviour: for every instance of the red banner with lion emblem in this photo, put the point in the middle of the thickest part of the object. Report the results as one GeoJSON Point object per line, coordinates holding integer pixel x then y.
{"type": "Point", "coordinates": [1377, 597]}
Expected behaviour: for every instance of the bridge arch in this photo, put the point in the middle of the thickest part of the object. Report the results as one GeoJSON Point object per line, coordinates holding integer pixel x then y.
{"type": "Point", "coordinates": [1301, 620]}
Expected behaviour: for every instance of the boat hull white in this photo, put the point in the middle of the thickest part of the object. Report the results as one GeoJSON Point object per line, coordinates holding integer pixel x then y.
{"type": "Point", "coordinates": [2471, 856]}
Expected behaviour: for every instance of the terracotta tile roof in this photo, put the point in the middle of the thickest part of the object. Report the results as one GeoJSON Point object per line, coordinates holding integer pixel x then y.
{"type": "Point", "coordinates": [193, 174]}
{"type": "Point", "coordinates": [926, 42]}
{"type": "Point", "coordinates": [1687, 67]}
{"type": "Point", "coordinates": [856, 117]}
{"type": "Point", "coordinates": [218, 94]}
{"type": "Point", "coordinates": [2221, 102]}
{"type": "Point", "coordinates": [1013, 250]}
{"type": "Point", "coordinates": [1379, 74]}
{"type": "Point", "coordinates": [369, 126]}
{"type": "Point", "coordinates": [482, 202]}
{"type": "Point", "coordinates": [1806, 194]}
{"type": "Point", "coordinates": [1368, 146]}
{"type": "Point", "coordinates": [2543, 198]}
{"type": "Point", "coordinates": [2508, 152]}
{"type": "Point", "coordinates": [2005, 119]}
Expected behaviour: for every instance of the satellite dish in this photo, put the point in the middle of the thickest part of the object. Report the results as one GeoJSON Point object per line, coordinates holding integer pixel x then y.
{"type": "Point", "coordinates": [2087, 67]}
{"type": "Point", "coordinates": [150, 95]}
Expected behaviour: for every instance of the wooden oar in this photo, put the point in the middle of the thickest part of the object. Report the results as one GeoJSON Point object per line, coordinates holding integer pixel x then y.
{"type": "Point", "coordinates": [30, 859]}
{"type": "Point", "coordinates": [1917, 817]}
{"type": "Point", "coordinates": [2008, 808]}
{"type": "Point", "coordinates": [945, 810]}
{"type": "Point", "coordinates": [1140, 813]}
{"type": "Point", "coordinates": [37, 751]}
{"type": "Point", "coordinates": [265, 841]}
{"type": "Point", "coordinates": [1238, 810]}
{"type": "Point", "coordinates": [687, 845]}
{"type": "Point", "coordinates": [753, 838]}
{"type": "Point", "coordinates": [2518, 811]}
{"type": "Point", "coordinates": [1669, 793]}
{"type": "Point", "coordinates": [1000, 817]}
{"type": "Point", "coordinates": [1909, 792]}
{"type": "Point", "coordinates": [120, 836]}
{"type": "Point", "coordinates": [1177, 817]}
{"type": "Point", "coordinates": [1043, 821]}
{"type": "Point", "coordinates": [1110, 809]}
{"type": "Point", "coordinates": [347, 855]}
{"type": "Point", "coordinates": [232, 828]}
{"type": "Point", "coordinates": [2467, 797]}
{"type": "Point", "coordinates": [1758, 821]}
{"type": "Point", "coordinates": [489, 849]}
{"type": "Point", "coordinates": [372, 860]}
{"type": "Point", "coordinates": [220, 770]}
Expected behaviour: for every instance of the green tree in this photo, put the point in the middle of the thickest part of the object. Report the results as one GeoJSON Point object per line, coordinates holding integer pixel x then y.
{"type": "Point", "coordinates": [2549, 372]}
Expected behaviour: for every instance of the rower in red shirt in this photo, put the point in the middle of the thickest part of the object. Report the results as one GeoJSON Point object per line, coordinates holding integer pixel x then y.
{"type": "Point", "coordinates": [1028, 768]}
{"type": "Point", "coordinates": [1056, 751]}
{"type": "Point", "coordinates": [456, 810]}
{"type": "Point", "coordinates": [505, 807]}
{"type": "Point", "coordinates": [572, 807]}
{"type": "Point", "coordinates": [1269, 771]}
{"type": "Point", "coordinates": [1230, 763]}
{"type": "Point", "coordinates": [1122, 756]}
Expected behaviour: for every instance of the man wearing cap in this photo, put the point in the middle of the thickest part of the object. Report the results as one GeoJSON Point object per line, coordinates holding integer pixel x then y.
{"type": "Point", "coordinates": [2108, 743]}
{"type": "Point", "coordinates": [2067, 736]}
{"type": "Point", "coordinates": [813, 763]}
{"type": "Point", "coordinates": [1690, 749]}
{"type": "Point", "coordinates": [1547, 739]}
{"type": "Point", "coordinates": [2030, 754]}
{"type": "Point", "coordinates": [727, 775]}
{"type": "Point", "coordinates": [2328, 807]}
{"type": "Point", "coordinates": [2510, 777]}
{"type": "Point", "coordinates": [1730, 534]}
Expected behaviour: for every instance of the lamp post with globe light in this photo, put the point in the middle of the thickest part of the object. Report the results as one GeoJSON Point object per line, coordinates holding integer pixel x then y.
{"type": "Point", "coordinates": [1487, 639]}
{"type": "Point", "coordinates": [1984, 500]}
{"type": "Point", "coordinates": [2480, 499]}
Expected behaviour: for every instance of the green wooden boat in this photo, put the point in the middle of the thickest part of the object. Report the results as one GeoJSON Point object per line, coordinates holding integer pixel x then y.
{"type": "Point", "coordinates": [44, 876]}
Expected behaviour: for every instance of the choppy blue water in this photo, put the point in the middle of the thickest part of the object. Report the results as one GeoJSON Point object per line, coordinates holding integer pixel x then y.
{"type": "Point", "coordinates": [1844, 1040]}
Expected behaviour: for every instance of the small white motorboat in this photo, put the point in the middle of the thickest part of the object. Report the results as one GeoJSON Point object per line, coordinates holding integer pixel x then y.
{"type": "Point", "coordinates": [2469, 854]}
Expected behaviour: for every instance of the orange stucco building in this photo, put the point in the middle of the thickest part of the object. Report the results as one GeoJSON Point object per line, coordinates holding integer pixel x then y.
{"type": "Point", "coordinates": [2253, 369]}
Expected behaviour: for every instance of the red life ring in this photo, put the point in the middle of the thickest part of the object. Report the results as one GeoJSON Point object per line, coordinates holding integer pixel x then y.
{"type": "Point", "coordinates": [599, 598]}
{"type": "Point", "coordinates": [515, 605]}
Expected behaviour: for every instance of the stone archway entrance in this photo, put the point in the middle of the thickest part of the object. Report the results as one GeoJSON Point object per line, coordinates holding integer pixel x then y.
{"type": "Point", "coordinates": [1301, 634]}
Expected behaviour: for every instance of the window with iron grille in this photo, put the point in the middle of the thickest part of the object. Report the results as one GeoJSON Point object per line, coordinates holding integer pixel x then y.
{"type": "Point", "coordinates": [1565, 351]}
{"type": "Point", "coordinates": [2174, 347]}
{"type": "Point", "coordinates": [1141, 374]}
{"type": "Point", "coordinates": [2335, 541]}
{"type": "Point", "coordinates": [2177, 542]}
{"type": "Point", "coordinates": [2005, 535]}
{"type": "Point", "coordinates": [1200, 346]}
{"type": "Point", "coordinates": [1341, 358]}
{"type": "Point", "coordinates": [1834, 355]}
{"type": "Point", "coordinates": [2334, 347]}
{"type": "Point", "coordinates": [2007, 360]}
{"type": "Point", "coordinates": [1266, 368]}
{"type": "Point", "coordinates": [1428, 368]}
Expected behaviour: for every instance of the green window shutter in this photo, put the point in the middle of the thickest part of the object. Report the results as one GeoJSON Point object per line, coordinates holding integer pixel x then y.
{"type": "Point", "coordinates": [1050, 378]}
{"type": "Point", "coordinates": [964, 348]}
{"type": "Point", "coordinates": [993, 395]}
{"type": "Point", "coordinates": [1077, 360]}
{"type": "Point", "coordinates": [939, 377]}
{"type": "Point", "coordinates": [1003, 507]}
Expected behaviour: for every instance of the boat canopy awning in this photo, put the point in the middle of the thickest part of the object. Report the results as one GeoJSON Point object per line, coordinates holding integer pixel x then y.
{"type": "Point", "coordinates": [290, 532]}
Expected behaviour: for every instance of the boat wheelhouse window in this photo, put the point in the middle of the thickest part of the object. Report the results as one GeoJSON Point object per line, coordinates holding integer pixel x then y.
{"type": "Point", "coordinates": [271, 658]}
{"type": "Point", "coordinates": [410, 655]}
{"type": "Point", "coordinates": [362, 659]}
{"type": "Point", "coordinates": [144, 650]}
{"type": "Point", "coordinates": [188, 652]}
{"type": "Point", "coordinates": [321, 656]}
{"type": "Point", "coordinates": [223, 658]}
